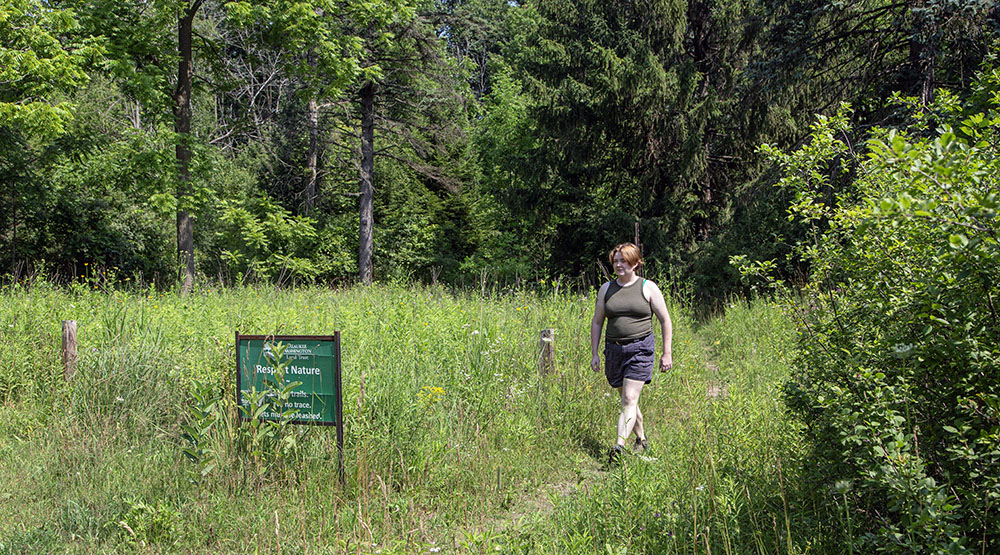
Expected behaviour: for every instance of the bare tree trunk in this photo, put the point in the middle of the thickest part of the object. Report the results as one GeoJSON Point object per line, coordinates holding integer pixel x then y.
{"type": "Point", "coordinates": [927, 87]}
{"type": "Point", "coordinates": [922, 70]}
{"type": "Point", "coordinates": [366, 223]}
{"type": "Point", "coordinates": [137, 115]}
{"type": "Point", "coordinates": [922, 53]}
{"type": "Point", "coordinates": [310, 192]}
{"type": "Point", "coordinates": [182, 125]}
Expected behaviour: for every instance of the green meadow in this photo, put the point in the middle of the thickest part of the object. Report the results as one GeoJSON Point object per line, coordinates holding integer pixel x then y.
{"type": "Point", "coordinates": [454, 441]}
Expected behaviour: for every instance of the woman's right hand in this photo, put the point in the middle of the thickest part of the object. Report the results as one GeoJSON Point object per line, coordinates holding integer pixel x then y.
{"type": "Point", "coordinates": [595, 363]}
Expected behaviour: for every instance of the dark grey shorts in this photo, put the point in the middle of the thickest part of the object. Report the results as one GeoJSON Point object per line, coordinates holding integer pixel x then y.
{"type": "Point", "coordinates": [632, 360]}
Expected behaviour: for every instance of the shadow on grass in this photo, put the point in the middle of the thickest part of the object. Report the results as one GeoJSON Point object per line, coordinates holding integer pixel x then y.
{"type": "Point", "coordinates": [592, 446]}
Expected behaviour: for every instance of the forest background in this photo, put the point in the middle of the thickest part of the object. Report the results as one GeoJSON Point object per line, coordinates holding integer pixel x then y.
{"type": "Point", "coordinates": [340, 140]}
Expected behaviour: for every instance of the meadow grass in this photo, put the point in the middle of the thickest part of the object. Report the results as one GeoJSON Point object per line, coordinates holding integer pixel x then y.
{"type": "Point", "coordinates": [453, 440]}
{"type": "Point", "coordinates": [724, 473]}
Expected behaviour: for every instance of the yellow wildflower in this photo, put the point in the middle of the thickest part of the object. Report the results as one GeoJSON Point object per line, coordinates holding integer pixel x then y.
{"type": "Point", "coordinates": [430, 395]}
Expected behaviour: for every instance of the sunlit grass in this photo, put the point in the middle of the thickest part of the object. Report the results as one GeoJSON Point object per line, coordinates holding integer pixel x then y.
{"type": "Point", "coordinates": [454, 441]}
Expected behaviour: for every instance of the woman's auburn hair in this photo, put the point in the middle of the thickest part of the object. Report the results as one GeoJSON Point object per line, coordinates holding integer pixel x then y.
{"type": "Point", "coordinates": [630, 253]}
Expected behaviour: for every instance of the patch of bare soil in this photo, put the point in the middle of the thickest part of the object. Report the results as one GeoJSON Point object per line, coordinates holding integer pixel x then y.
{"type": "Point", "coordinates": [715, 388]}
{"type": "Point", "coordinates": [541, 502]}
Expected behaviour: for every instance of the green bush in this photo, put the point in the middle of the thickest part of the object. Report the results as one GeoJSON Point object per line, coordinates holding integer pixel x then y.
{"type": "Point", "coordinates": [896, 379]}
{"type": "Point", "coordinates": [259, 238]}
{"type": "Point", "coordinates": [143, 523]}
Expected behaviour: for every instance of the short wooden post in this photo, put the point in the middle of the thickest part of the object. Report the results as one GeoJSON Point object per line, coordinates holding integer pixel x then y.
{"type": "Point", "coordinates": [69, 348]}
{"type": "Point", "coordinates": [547, 360]}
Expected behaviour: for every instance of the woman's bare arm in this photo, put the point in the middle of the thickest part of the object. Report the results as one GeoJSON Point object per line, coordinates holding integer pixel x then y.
{"type": "Point", "coordinates": [659, 306]}
{"type": "Point", "coordinates": [596, 326]}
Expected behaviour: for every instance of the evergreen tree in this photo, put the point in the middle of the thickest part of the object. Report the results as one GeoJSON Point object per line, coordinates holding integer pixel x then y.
{"type": "Point", "coordinates": [411, 94]}
{"type": "Point", "coordinates": [821, 52]}
{"type": "Point", "coordinates": [633, 115]}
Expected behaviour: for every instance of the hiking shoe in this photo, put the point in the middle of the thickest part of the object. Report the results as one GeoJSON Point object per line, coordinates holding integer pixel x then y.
{"type": "Point", "coordinates": [615, 455]}
{"type": "Point", "coordinates": [641, 445]}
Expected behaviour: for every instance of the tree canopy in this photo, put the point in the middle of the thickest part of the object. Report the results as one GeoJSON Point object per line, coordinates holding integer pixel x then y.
{"type": "Point", "coordinates": [343, 140]}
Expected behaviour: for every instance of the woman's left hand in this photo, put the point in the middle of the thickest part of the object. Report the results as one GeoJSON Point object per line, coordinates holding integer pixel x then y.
{"type": "Point", "coordinates": [666, 362]}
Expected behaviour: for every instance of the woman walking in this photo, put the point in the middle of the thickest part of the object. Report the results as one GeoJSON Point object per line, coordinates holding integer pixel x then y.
{"type": "Point", "coordinates": [628, 303]}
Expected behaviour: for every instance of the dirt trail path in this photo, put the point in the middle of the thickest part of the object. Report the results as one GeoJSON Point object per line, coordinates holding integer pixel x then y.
{"type": "Point", "coordinates": [542, 502]}
{"type": "Point", "coordinates": [716, 389]}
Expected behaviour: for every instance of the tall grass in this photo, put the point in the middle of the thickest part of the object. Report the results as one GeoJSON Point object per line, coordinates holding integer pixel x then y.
{"type": "Point", "coordinates": [723, 476]}
{"type": "Point", "coordinates": [454, 441]}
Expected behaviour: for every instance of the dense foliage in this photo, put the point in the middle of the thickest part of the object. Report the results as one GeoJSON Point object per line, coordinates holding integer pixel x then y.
{"type": "Point", "coordinates": [896, 375]}
{"type": "Point", "coordinates": [335, 140]}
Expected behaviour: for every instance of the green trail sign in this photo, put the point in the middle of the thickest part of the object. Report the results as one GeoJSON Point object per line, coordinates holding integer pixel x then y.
{"type": "Point", "coordinates": [313, 360]}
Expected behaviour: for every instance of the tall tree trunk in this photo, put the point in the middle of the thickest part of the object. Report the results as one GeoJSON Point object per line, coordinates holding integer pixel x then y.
{"type": "Point", "coordinates": [366, 223]}
{"type": "Point", "coordinates": [922, 70]}
{"type": "Point", "coordinates": [137, 115]}
{"type": "Point", "coordinates": [182, 125]}
{"type": "Point", "coordinates": [922, 53]}
{"type": "Point", "coordinates": [927, 76]}
{"type": "Point", "coordinates": [310, 192]}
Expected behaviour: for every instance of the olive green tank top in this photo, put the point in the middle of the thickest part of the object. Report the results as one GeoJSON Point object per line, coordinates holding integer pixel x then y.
{"type": "Point", "coordinates": [630, 316]}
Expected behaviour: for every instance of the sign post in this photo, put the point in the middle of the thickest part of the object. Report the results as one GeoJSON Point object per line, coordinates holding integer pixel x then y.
{"type": "Point", "coordinates": [313, 360]}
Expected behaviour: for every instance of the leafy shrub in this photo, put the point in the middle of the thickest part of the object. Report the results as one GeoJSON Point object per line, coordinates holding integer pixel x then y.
{"type": "Point", "coordinates": [896, 379]}
{"type": "Point", "coordinates": [265, 444]}
{"type": "Point", "coordinates": [147, 523]}
{"type": "Point", "coordinates": [261, 238]}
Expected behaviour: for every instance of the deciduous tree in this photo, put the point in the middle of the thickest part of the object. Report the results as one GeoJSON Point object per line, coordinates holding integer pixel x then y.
{"type": "Point", "coordinates": [42, 61]}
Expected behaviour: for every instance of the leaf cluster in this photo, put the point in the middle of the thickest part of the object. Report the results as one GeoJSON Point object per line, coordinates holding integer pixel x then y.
{"type": "Point", "coordinates": [898, 327]}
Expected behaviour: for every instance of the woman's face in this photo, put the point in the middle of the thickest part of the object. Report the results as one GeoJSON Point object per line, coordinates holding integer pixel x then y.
{"type": "Point", "coordinates": [621, 266]}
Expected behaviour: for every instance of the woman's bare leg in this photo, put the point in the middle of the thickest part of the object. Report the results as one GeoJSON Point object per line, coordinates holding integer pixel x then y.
{"type": "Point", "coordinates": [638, 429]}
{"type": "Point", "coordinates": [630, 391]}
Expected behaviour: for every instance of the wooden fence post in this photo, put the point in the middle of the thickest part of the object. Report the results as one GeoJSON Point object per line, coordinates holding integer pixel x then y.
{"type": "Point", "coordinates": [547, 361]}
{"type": "Point", "coordinates": [69, 348]}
